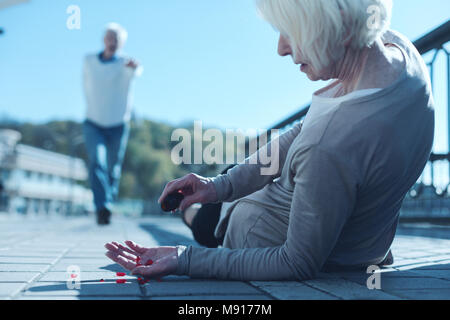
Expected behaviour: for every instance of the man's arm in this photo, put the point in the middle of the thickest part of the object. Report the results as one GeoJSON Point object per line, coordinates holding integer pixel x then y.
{"type": "Point", "coordinates": [248, 177]}
{"type": "Point", "coordinates": [133, 65]}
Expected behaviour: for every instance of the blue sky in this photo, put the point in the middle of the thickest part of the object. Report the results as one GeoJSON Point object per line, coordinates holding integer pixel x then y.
{"type": "Point", "coordinates": [207, 60]}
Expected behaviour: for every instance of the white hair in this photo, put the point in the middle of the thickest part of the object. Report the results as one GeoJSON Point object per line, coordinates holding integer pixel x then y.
{"type": "Point", "coordinates": [121, 33]}
{"type": "Point", "coordinates": [319, 27]}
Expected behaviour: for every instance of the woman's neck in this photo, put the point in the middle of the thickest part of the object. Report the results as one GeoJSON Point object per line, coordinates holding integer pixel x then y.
{"type": "Point", "coordinates": [366, 68]}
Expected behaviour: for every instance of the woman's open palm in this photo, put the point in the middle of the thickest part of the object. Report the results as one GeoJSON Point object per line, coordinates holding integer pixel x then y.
{"type": "Point", "coordinates": [148, 262]}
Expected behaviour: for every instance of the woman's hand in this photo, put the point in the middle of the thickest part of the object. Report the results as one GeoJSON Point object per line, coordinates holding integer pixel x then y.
{"type": "Point", "coordinates": [148, 262]}
{"type": "Point", "coordinates": [196, 189]}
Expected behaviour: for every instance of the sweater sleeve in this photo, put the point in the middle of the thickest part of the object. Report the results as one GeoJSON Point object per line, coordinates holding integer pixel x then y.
{"type": "Point", "coordinates": [253, 174]}
{"type": "Point", "coordinates": [133, 72]}
{"type": "Point", "coordinates": [139, 71]}
{"type": "Point", "coordinates": [323, 199]}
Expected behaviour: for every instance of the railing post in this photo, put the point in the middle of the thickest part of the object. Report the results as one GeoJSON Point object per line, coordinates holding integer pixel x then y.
{"type": "Point", "coordinates": [448, 107]}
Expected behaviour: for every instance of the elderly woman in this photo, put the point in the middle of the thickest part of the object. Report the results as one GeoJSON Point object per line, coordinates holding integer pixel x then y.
{"type": "Point", "coordinates": [343, 172]}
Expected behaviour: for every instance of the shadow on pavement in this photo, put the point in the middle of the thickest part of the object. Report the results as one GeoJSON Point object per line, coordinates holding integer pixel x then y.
{"type": "Point", "coordinates": [113, 267]}
{"type": "Point", "coordinates": [165, 237]}
{"type": "Point", "coordinates": [422, 282]}
{"type": "Point", "coordinates": [88, 290]}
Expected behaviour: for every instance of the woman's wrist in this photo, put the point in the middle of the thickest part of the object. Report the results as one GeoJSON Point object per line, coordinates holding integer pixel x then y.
{"type": "Point", "coordinates": [222, 187]}
{"type": "Point", "coordinates": [182, 261]}
{"type": "Point", "coordinates": [180, 250]}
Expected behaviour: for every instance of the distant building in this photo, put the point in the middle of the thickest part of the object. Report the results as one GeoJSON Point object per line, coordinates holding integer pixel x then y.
{"type": "Point", "coordinates": [34, 180]}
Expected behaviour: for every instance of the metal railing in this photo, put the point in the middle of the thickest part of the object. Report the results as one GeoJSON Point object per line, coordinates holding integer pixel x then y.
{"type": "Point", "coordinates": [432, 42]}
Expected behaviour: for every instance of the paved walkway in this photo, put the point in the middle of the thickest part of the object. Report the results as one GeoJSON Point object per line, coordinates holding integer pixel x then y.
{"type": "Point", "coordinates": [35, 254]}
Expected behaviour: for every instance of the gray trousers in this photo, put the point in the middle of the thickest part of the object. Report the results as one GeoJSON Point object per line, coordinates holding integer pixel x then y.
{"type": "Point", "coordinates": [247, 225]}
{"type": "Point", "coordinates": [251, 226]}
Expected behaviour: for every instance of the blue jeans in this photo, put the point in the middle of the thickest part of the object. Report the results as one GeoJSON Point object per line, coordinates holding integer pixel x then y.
{"type": "Point", "coordinates": [106, 149]}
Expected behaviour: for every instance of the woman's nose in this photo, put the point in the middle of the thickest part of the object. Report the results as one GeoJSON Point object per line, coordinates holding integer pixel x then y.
{"type": "Point", "coordinates": [284, 47]}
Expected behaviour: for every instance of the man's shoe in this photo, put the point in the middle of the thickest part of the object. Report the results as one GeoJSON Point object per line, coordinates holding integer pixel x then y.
{"type": "Point", "coordinates": [103, 217]}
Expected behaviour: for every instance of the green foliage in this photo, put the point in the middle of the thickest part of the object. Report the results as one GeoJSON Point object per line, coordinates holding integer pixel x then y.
{"type": "Point", "coordinates": [147, 165]}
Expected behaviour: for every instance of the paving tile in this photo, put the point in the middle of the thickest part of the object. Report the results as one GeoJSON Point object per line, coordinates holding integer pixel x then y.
{"type": "Point", "coordinates": [99, 267]}
{"type": "Point", "coordinates": [441, 274]}
{"type": "Point", "coordinates": [86, 260]}
{"type": "Point", "coordinates": [403, 280]}
{"type": "Point", "coordinates": [31, 260]}
{"type": "Point", "coordinates": [88, 288]}
{"type": "Point", "coordinates": [348, 290]}
{"type": "Point", "coordinates": [440, 250]}
{"type": "Point", "coordinates": [14, 267]}
{"type": "Point", "coordinates": [176, 278]}
{"type": "Point", "coordinates": [439, 265]}
{"type": "Point", "coordinates": [26, 254]}
{"type": "Point", "coordinates": [424, 294]}
{"type": "Point", "coordinates": [440, 257]}
{"type": "Point", "coordinates": [48, 246]}
{"type": "Point", "coordinates": [412, 261]}
{"type": "Point", "coordinates": [421, 268]}
{"type": "Point", "coordinates": [215, 297]}
{"type": "Point", "coordinates": [291, 290]}
{"type": "Point", "coordinates": [84, 276]}
{"type": "Point", "coordinates": [95, 245]}
{"type": "Point", "coordinates": [44, 298]}
{"type": "Point", "coordinates": [86, 255]}
{"type": "Point", "coordinates": [78, 298]}
{"type": "Point", "coordinates": [414, 254]}
{"type": "Point", "coordinates": [9, 288]}
{"type": "Point", "coordinates": [198, 287]}
{"type": "Point", "coordinates": [390, 284]}
{"type": "Point", "coordinates": [361, 277]}
{"type": "Point", "coordinates": [43, 250]}
{"type": "Point", "coordinates": [17, 276]}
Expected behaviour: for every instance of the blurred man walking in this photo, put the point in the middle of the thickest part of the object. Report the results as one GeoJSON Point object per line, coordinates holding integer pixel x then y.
{"type": "Point", "coordinates": [107, 78]}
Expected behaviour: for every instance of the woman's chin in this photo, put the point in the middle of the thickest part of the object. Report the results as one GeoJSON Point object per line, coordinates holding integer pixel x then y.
{"type": "Point", "coordinates": [312, 77]}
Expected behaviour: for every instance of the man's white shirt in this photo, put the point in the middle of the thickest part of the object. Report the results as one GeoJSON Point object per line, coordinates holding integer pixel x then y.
{"type": "Point", "coordinates": [107, 90]}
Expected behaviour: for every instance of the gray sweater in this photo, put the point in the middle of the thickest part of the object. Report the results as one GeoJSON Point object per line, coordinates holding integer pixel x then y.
{"type": "Point", "coordinates": [342, 180]}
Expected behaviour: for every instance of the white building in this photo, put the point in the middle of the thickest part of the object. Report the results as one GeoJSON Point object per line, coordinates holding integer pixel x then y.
{"type": "Point", "coordinates": [38, 181]}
